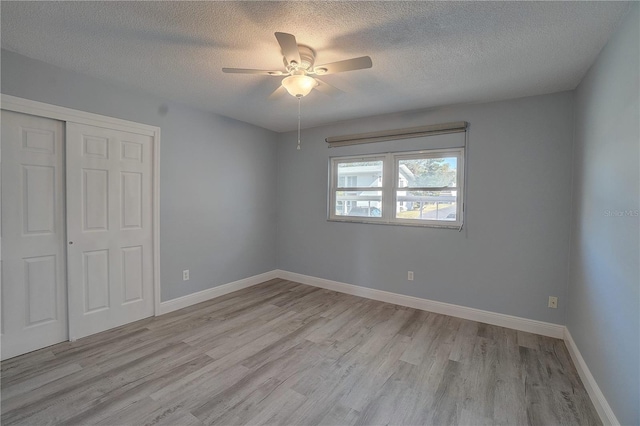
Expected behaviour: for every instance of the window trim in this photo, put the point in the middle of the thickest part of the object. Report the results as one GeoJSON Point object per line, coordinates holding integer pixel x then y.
{"type": "Point", "coordinates": [390, 188]}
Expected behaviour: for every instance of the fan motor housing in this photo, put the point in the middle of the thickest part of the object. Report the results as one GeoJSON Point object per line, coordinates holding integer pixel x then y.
{"type": "Point", "coordinates": [307, 57]}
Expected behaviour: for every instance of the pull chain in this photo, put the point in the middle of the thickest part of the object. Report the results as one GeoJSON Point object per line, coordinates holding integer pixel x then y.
{"type": "Point", "coordinates": [299, 98]}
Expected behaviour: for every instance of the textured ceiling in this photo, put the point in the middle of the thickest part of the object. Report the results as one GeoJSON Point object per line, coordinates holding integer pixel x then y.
{"type": "Point", "coordinates": [425, 54]}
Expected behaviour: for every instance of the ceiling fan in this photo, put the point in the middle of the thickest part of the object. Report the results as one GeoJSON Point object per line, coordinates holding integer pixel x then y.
{"type": "Point", "coordinates": [299, 61]}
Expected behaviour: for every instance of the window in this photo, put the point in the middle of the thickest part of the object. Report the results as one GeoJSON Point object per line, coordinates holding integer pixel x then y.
{"type": "Point", "coordinates": [358, 192]}
{"type": "Point", "coordinates": [421, 188]}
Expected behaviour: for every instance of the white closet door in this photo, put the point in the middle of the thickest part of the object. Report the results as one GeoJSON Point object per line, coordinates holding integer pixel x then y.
{"type": "Point", "coordinates": [34, 298]}
{"type": "Point", "coordinates": [109, 228]}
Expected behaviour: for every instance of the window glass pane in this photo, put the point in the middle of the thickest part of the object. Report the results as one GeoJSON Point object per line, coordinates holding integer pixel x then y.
{"type": "Point", "coordinates": [426, 205]}
{"type": "Point", "coordinates": [361, 174]}
{"type": "Point", "coordinates": [427, 172]}
{"type": "Point", "coordinates": [359, 203]}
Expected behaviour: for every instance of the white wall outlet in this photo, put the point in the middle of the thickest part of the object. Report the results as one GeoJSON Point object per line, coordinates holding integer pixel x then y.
{"type": "Point", "coordinates": [410, 275]}
{"type": "Point", "coordinates": [185, 275]}
{"type": "Point", "coordinates": [553, 302]}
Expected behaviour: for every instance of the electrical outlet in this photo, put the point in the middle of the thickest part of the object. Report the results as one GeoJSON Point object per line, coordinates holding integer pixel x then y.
{"type": "Point", "coordinates": [185, 275]}
{"type": "Point", "coordinates": [410, 275]}
{"type": "Point", "coordinates": [553, 302]}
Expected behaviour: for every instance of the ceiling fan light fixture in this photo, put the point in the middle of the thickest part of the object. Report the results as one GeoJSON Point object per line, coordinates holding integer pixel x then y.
{"type": "Point", "coordinates": [299, 85]}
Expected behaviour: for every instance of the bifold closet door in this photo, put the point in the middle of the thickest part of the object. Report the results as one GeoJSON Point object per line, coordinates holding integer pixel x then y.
{"type": "Point", "coordinates": [109, 228]}
{"type": "Point", "coordinates": [34, 295]}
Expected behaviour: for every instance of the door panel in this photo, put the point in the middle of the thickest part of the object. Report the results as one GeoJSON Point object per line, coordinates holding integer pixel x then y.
{"type": "Point", "coordinates": [131, 200]}
{"type": "Point", "coordinates": [109, 221]}
{"type": "Point", "coordinates": [132, 265]}
{"type": "Point", "coordinates": [96, 280]}
{"type": "Point", "coordinates": [95, 200]}
{"type": "Point", "coordinates": [38, 198]}
{"type": "Point", "coordinates": [34, 298]}
{"type": "Point", "coordinates": [40, 286]}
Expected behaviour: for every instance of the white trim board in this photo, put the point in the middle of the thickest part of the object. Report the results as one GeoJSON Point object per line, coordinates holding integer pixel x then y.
{"type": "Point", "coordinates": [597, 397]}
{"type": "Point", "coordinates": [56, 112]}
{"type": "Point", "coordinates": [517, 323]}
{"type": "Point", "coordinates": [212, 293]}
{"type": "Point", "coordinates": [487, 317]}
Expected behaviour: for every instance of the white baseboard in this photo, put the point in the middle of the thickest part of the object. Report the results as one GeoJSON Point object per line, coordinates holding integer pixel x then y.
{"type": "Point", "coordinates": [597, 397]}
{"type": "Point", "coordinates": [211, 293]}
{"type": "Point", "coordinates": [517, 323]}
{"type": "Point", "coordinates": [502, 320]}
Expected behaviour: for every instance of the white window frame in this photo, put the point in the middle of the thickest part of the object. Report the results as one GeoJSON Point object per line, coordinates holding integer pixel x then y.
{"type": "Point", "coordinates": [390, 188]}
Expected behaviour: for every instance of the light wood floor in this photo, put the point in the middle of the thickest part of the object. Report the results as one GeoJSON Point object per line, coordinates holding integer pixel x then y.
{"type": "Point", "coordinates": [286, 353]}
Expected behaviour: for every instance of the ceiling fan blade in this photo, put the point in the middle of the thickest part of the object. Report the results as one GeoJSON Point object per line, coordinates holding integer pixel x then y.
{"type": "Point", "coordinates": [327, 89]}
{"type": "Point", "coordinates": [278, 93]}
{"type": "Point", "coordinates": [250, 71]}
{"type": "Point", "coordinates": [346, 65]}
{"type": "Point", "coordinates": [289, 47]}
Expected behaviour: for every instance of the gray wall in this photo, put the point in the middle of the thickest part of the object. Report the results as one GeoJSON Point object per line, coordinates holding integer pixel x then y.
{"type": "Point", "coordinates": [513, 253]}
{"type": "Point", "coordinates": [217, 179]}
{"type": "Point", "coordinates": [604, 311]}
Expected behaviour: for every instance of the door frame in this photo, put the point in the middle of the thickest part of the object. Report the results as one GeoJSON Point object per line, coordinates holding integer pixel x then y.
{"type": "Point", "coordinates": [27, 106]}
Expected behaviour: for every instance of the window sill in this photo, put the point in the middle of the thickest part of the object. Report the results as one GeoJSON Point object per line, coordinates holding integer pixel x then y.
{"type": "Point", "coordinates": [455, 225]}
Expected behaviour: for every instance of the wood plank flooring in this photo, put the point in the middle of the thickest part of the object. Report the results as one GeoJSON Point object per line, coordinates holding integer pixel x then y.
{"type": "Point", "coordinates": [283, 353]}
